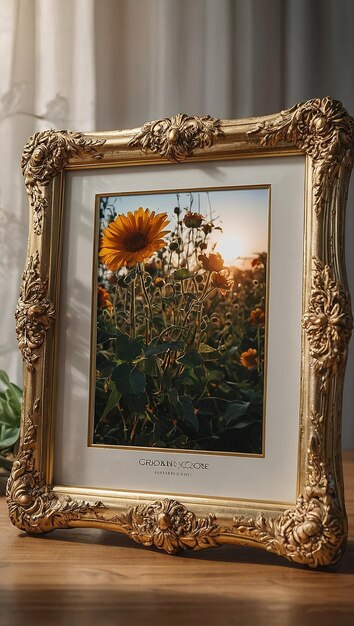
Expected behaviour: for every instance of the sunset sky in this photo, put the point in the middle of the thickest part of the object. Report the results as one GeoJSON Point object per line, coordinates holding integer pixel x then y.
{"type": "Point", "coordinates": [242, 213]}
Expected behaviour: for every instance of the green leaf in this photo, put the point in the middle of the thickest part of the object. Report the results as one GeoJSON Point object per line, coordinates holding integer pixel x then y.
{"type": "Point", "coordinates": [188, 413]}
{"type": "Point", "coordinates": [191, 359]}
{"type": "Point", "coordinates": [158, 322]}
{"type": "Point", "coordinates": [10, 412]}
{"type": "Point", "coordinates": [215, 376]}
{"type": "Point", "coordinates": [106, 369]}
{"type": "Point", "coordinates": [188, 377]}
{"type": "Point", "coordinates": [150, 366]}
{"type": "Point", "coordinates": [138, 381]}
{"type": "Point", "coordinates": [128, 379]}
{"type": "Point", "coordinates": [128, 349]}
{"type": "Point", "coordinates": [205, 349]}
{"type": "Point", "coordinates": [182, 274]}
{"type": "Point", "coordinates": [137, 403]}
{"type": "Point", "coordinates": [4, 378]}
{"type": "Point", "coordinates": [184, 408]}
{"type": "Point", "coordinates": [163, 347]}
{"type": "Point", "coordinates": [112, 401]}
{"type": "Point", "coordinates": [242, 424]}
{"type": "Point", "coordinates": [235, 410]}
{"type": "Point", "coordinates": [121, 377]}
{"type": "Point", "coordinates": [8, 436]}
{"type": "Point", "coordinates": [106, 332]}
{"type": "Point", "coordinates": [208, 352]}
{"type": "Point", "coordinates": [173, 397]}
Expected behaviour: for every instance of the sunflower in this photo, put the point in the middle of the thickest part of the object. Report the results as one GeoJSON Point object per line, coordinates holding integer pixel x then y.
{"type": "Point", "coordinates": [257, 317]}
{"type": "Point", "coordinates": [212, 262]}
{"type": "Point", "coordinates": [249, 358]}
{"type": "Point", "coordinates": [104, 301]}
{"type": "Point", "coordinates": [220, 282]}
{"type": "Point", "coordinates": [132, 238]}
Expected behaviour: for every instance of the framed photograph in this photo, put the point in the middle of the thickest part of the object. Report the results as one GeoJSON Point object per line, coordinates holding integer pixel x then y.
{"type": "Point", "coordinates": [184, 321]}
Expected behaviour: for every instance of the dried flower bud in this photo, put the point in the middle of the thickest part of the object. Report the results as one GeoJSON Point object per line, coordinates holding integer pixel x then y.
{"type": "Point", "coordinates": [193, 220]}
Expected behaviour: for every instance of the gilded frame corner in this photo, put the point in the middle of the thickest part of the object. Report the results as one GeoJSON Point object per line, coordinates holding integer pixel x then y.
{"type": "Point", "coordinates": [312, 532]}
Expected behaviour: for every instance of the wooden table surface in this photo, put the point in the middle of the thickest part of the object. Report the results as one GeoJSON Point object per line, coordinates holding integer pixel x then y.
{"type": "Point", "coordinates": [89, 577]}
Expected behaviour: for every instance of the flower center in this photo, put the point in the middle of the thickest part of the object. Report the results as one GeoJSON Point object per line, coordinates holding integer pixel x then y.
{"type": "Point", "coordinates": [135, 241]}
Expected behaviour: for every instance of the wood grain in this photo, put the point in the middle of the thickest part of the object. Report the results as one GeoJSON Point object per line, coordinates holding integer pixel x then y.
{"type": "Point", "coordinates": [85, 577]}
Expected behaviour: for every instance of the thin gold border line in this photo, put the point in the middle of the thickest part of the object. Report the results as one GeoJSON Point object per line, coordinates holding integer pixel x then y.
{"type": "Point", "coordinates": [142, 161]}
{"type": "Point", "coordinates": [138, 494]}
{"type": "Point", "coordinates": [93, 332]}
{"type": "Point", "coordinates": [306, 229]}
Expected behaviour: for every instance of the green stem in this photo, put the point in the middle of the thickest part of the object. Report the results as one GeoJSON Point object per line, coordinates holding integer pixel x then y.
{"type": "Point", "coordinates": [168, 329]}
{"type": "Point", "coordinates": [208, 293]}
{"type": "Point", "coordinates": [133, 431]}
{"type": "Point", "coordinates": [148, 302]}
{"type": "Point", "coordinates": [132, 310]}
{"type": "Point", "coordinates": [115, 299]}
{"type": "Point", "coordinates": [206, 284]}
{"type": "Point", "coordinates": [187, 251]}
{"type": "Point", "coordinates": [201, 302]}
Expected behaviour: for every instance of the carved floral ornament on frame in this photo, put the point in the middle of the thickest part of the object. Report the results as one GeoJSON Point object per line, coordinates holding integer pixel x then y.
{"type": "Point", "coordinates": [313, 531]}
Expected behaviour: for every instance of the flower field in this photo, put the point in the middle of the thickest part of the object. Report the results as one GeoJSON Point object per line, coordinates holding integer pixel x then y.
{"type": "Point", "coordinates": [180, 336]}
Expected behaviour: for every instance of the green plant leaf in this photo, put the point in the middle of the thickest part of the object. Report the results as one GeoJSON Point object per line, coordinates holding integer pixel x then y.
{"type": "Point", "coordinates": [187, 412]}
{"type": "Point", "coordinates": [138, 381]}
{"type": "Point", "coordinates": [158, 322]}
{"type": "Point", "coordinates": [189, 377]}
{"type": "Point", "coordinates": [215, 376]}
{"type": "Point", "coordinates": [4, 379]}
{"type": "Point", "coordinates": [106, 369]}
{"type": "Point", "coordinates": [150, 366]}
{"type": "Point", "coordinates": [184, 408]}
{"type": "Point", "coordinates": [106, 332]}
{"type": "Point", "coordinates": [128, 349]}
{"type": "Point", "coordinates": [128, 379]}
{"type": "Point", "coordinates": [173, 397]}
{"type": "Point", "coordinates": [8, 436]}
{"type": "Point", "coordinates": [208, 352]}
{"type": "Point", "coordinates": [182, 274]}
{"type": "Point", "coordinates": [191, 359]}
{"type": "Point", "coordinates": [137, 403]}
{"type": "Point", "coordinates": [10, 412]}
{"type": "Point", "coordinates": [112, 401]}
{"type": "Point", "coordinates": [235, 410]}
{"type": "Point", "coordinates": [242, 424]}
{"type": "Point", "coordinates": [162, 347]}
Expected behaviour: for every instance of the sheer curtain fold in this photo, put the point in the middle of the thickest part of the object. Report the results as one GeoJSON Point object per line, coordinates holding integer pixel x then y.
{"type": "Point", "coordinates": [47, 80]}
{"type": "Point", "coordinates": [104, 64]}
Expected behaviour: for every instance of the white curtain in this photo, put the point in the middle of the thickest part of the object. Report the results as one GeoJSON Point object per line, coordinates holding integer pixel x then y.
{"type": "Point", "coordinates": [105, 64]}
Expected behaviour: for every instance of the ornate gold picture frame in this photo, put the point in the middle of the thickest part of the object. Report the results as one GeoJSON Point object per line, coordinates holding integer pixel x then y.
{"type": "Point", "coordinates": [313, 529]}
